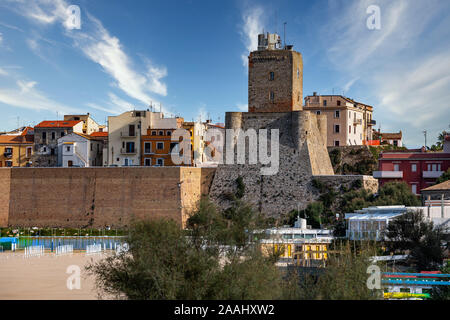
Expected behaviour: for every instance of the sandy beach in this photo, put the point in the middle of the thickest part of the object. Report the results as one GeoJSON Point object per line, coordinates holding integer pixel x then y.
{"type": "Point", "coordinates": [44, 277]}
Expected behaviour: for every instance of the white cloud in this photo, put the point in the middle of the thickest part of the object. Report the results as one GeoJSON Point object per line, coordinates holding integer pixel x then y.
{"type": "Point", "coordinates": [252, 26]}
{"type": "Point", "coordinates": [3, 72]}
{"type": "Point", "coordinates": [25, 95]}
{"type": "Point", "coordinates": [98, 45]}
{"type": "Point", "coordinates": [242, 107]}
{"type": "Point", "coordinates": [1, 38]}
{"type": "Point", "coordinates": [403, 66]}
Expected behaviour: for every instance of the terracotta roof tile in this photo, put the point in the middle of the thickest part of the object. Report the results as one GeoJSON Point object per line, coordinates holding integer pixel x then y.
{"type": "Point", "coordinates": [441, 186]}
{"type": "Point", "coordinates": [57, 124]}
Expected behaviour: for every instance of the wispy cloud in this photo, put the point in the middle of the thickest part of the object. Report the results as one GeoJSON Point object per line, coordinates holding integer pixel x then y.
{"type": "Point", "coordinates": [98, 45]}
{"type": "Point", "coordinates": [403, 66]}
{"type": "Point", "coordinates": [242, 107]}
{"type": "Point", "coordinates": [251, 27]}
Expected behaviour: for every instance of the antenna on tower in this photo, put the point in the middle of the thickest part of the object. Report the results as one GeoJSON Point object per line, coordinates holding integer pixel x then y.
{"type": "Point", "coordinates": [284, 25]}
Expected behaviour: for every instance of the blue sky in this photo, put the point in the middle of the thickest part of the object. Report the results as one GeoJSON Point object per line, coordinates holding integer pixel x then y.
{"type": "Point", "coordinates": [190, 57]}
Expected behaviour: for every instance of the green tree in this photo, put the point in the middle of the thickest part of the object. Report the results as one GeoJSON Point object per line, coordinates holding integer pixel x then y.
{"type": "Point", "coordinates": [344, 278]}
{"type": "Point", "coordinates": [410, 233]}
{"type": "Point", "coordinates": [215, 258]}
{"type": "Point", "coordinates": [444, 177]}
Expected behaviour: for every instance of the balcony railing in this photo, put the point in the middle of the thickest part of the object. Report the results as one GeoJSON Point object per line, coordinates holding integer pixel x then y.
{"type": "Point", "coordinates": [388, 174]}
{"type": "Point", "coordinates": [126, 134]}
{"type": "Point", "coordinates": [357, 121]}
{"type": "Point", "coordinates": [372, 123]}
{"type": "Point", "coordinates": [127, 151]}
{"type": "Point", "coordinates": [432, 174]}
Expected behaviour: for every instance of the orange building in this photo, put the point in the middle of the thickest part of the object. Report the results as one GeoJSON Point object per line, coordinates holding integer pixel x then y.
{"type": "Point", "coordinates": [157, 147]}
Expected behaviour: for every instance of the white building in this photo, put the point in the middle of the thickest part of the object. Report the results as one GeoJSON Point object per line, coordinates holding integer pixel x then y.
{"type": "Point", "coordinates": [370, 223]}
{"type": "Point", "coordinates": [80, 150]}
{"type": "Point", "coordinates": [125, 132]}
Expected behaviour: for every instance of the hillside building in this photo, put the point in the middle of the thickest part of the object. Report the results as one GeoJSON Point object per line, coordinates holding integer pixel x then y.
{"type": "Point", "coordinates": [349, 122]}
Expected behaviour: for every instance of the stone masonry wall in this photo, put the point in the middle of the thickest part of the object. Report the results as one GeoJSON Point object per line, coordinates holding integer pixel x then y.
{"type": "Point", "coordinates": [5, 187]}
{"type": "Point", "coordinates": [302, 154]}
{"type": "Point", "coordinates": [98, 197]}
{"type": "Point", "coordinates": [287, 86]}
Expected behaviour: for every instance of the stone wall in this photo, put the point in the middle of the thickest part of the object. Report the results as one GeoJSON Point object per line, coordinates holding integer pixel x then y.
{"type": "Point", "coordinates": [99, 197]}
{"type": "Point", "coordinates": [286, 85]}
{"type": "Point", "coordinates": [302, 154]}
{"type": "Point", "coordinates": [5, 187]}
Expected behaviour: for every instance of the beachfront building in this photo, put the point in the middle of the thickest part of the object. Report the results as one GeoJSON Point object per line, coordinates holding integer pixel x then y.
{"type": "Point", "coordinates": [370, 223]}
{"type": "Point", "coordinates": [299, 244]}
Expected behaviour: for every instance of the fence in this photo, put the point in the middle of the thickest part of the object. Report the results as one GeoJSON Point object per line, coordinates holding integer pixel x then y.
{"type": "Point", "coordinates": [94, 248]}
{"type": "Point", "coordinates": [34, 251]}
{"type": "Point", "coordinates": [65, 249]}
{"type": "Point", "coordinates": [78, 243]}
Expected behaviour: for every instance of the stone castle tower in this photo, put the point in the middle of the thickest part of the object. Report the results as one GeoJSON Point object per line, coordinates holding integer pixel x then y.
{"type": "Point", "coordinates": [275, 102]}
{"type": "Point", "coordinates": [275, 77]}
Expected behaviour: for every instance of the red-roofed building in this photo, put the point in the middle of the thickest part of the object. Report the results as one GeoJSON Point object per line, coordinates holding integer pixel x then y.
{"type": "Point", "coordinates": [16, 148]}
{"type": "Point", "coordinates": [419, 169]}
{"type": "Point", "coordinates": [46, 135]}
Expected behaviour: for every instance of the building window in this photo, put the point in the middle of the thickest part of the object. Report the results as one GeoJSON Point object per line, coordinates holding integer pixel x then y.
{"type": "Point", "coordinates": [130, 147]}
{"type": "Point", "coordinates": [148, 162]}
{"type": "Point", "coordinates": [53, 135]}
{"type": "Point", "coordinates": [396, 167]}
{"type": "Point", "coordinates": [324, 103]}
{"type": "Point", "coordinates": [349, 129]}
{"type": "Point", "coordinates": [160, 145]}
{"type": "Point", "coordinates": [131, 132]}
{"type": "Point", "coordinates": [414, 188]}
{"type": "Point", "coordinates": [70, 163]}
{"type": "Point", "coordinates": [44, 149]}
{"type": "Point", "coordinates": [337, 114]}
{"type": "Point", "coordinates": [62, 134]}
{"type": "Point", "coordinates": [29, 151]}
{"type": "Point", "coordinates": [336, 128]}
{"type": "Point", "coordinates": [272, 96]}
{"type": "Point", "coordinates": [354, 129]}
{"type": "Point", "coordinates": [414, 167]}
{"type": "Point", "coordinates": [44, 135]}
{"type": "Point", "coordinates": [160, 162]}
{"type": "Point", "coordinates": [336, 143]}
{"type": "Point", "coordinates": [169, 133]}
{"type": "Point", "coordinates": [395, 143]}
{"type": "Point", "coordinates": [339, 102]}
{"type": "Point", "coordinates": [52, 151]}
{"type": "Point", "coordinates": [271, 76]}
{"type": "Point", "coordinates": [318, 112]}
{"type": "Point", "coordinates": [147, 147]}
{"type": "Point", "coordinates": [298, 73]}
{"type": "Point", "coordinates": [161, 133]}
{"type": "Point", "coordinates": [68, 148]}
{"type": "Point", "coordinates": [153, 133]}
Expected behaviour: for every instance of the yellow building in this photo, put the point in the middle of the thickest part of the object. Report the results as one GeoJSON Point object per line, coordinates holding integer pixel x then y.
{"type": "Point", "coordinates": [16, 148]}
{"type": "Point", "coordinates": [299, 244]}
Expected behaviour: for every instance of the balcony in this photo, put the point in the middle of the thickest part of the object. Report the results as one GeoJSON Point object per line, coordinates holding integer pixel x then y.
{"type": "Point", "coordinates": [127, 134]}
{"type": "Point", "coordinates": [357, 121]}
{"type": "Point", "coordinates": [8, 154]}
{"type": "Point", "coordinates": [127, 151]}
{"type": "Point", "coordinates": [432, 174]}
{"type": "Point", "coordinates": [388, 174]}
{"type": "Point", "coordinates": [372, 123]}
